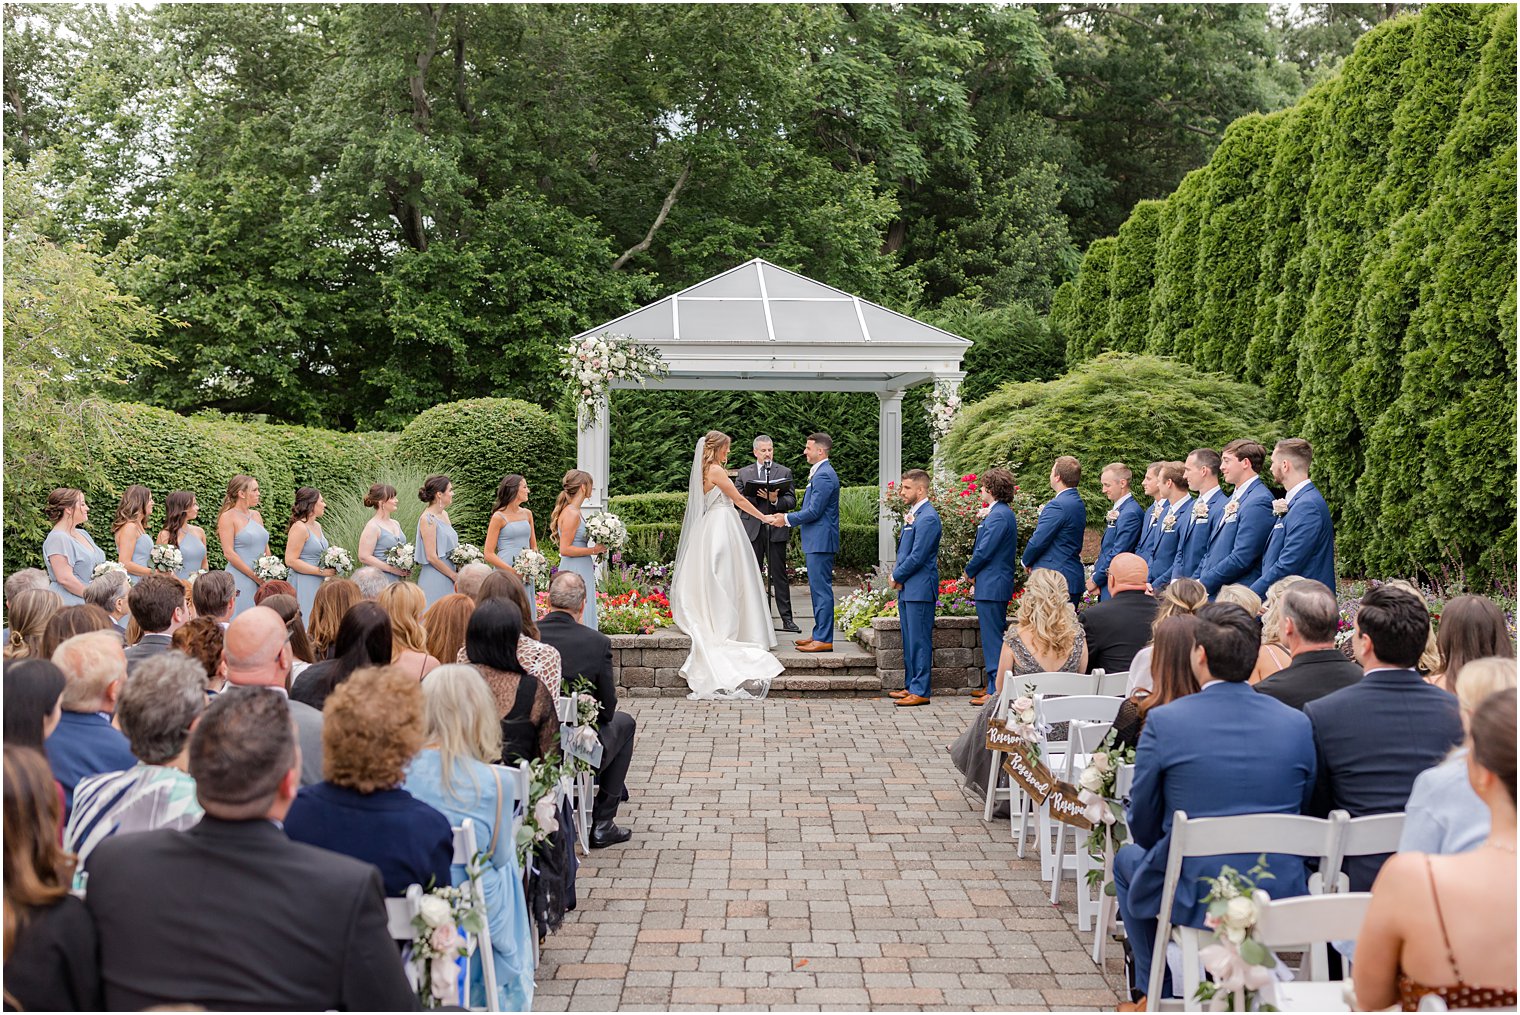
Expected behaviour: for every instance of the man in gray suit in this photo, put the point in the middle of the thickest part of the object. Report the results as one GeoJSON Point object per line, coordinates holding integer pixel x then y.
{"type": "Point", "coordinates": [158, 605]}
{"type": "Point", "coordinates": [770, 541]}
{"type": "Point", "coordinates": [257, 653]}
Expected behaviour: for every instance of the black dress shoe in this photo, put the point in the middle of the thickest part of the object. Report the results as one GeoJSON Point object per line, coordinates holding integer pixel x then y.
{"type": "Point", "coordinates": [791, 628]}
{"type": "Point", "coordinates": [605, 833]}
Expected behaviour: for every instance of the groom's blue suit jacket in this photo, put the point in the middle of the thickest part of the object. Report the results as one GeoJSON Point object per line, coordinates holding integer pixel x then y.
{"type": "Point", "coordinates": [819, 516]}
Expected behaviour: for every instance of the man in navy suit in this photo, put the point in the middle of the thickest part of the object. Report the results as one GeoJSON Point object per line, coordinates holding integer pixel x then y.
{"type": "Point", "coordinates": [1234, 553]}
{"type": "Point", "coordinates": [916, 577]}
{"type": "Point", "coordinates": [1177, 506]}
{"type": "Point", "coordinates": [993, 559]}
{"type": "Point", "coordinates": [1056, 542]}
{"type": "Point", "coordinates": [1225, 750]}
{"type": "Point", "coordinates": [1201, 471]}
{"type": "Point", "coordinates": [1125, 520]}
{"type": "Point", "coordinates": [1150, 484]}
{"type": "Point", "coordinates": [1375, 736]}
{"type": "Point", "coordinates": [819, 521]}
{"type": "Point", "coordinates": [1303, 540]}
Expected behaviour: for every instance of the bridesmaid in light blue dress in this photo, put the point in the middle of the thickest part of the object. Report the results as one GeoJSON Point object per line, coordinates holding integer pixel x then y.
{"type": "Point", "coordinates": [243, 537]}
{"type": "Point", "coordinates": [511, 528]}
{"type": "Point", "coordinates": [179, 511]}
{"type": "Point", "coordinates": [435, 538]}
{"type": "Point", "coordinates": [69, 553]}
{"type": "Point", "coordinates": [381, 533]}
{"type": "Point", "coordinates": [130, 529]}
{"type": "Point", "coordinates": [570, 531]}
{"type": "Point", "coordinates": [304, 545]}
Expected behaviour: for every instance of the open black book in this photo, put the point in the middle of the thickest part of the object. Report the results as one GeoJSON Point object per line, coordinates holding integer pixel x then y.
{"type": "Point", "coordinates": [755, 487]}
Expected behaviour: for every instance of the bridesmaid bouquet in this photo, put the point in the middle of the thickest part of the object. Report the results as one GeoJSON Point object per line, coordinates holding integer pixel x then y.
{"type": "Point", "coordinates": [533, 567]}
{"type": "Point", "coordinates": [607, 529]}
{"type": "Point", "coordinates": [270, 568]}
{"type": "Point", "coordinates": [465, 553]}
{"type": "Point", "coordinates": [105, 567]}
{"type": "Point", "coordinates": [338, 559]}
{"type": "Point", "coordinates": [402, 556]}
{"type": "Point", "coordinates": [166, 558]}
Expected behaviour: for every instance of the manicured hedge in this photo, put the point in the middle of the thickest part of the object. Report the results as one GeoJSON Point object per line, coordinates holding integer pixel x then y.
{"type": "Point", "coordinates": [647, 508]}
{"type": "Point", "coordinates": [1353, 257]}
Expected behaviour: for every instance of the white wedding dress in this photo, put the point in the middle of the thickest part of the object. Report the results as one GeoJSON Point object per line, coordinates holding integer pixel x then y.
{"type": "Point", "coordinates": [717, 599]}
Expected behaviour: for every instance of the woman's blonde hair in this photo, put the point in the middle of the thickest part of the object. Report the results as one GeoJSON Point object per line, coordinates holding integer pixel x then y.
{"type": "Point", "coordinates": [1182, 597]}
{"type": "Point", "coordinates": [1271, 621]}
{"type": "Point", "coordinates": [1045, 608]}
{"type": "Point", "coordinates": [572, 484]}
{"type": "Point", "coordinates": [30, 612]}
{"type": "Point", "coordinates": [1482, 677]}
{"type": "Point", "coordinates": [405, 602]}
{"type": "Point", "coordinates": [459, 715]}
{"type": "Point", "coordinates": [713, 446]}
{"type": "Point", "coordinates": [235, 486]}
{"type": "Point", "coordinates": [1241, 596]}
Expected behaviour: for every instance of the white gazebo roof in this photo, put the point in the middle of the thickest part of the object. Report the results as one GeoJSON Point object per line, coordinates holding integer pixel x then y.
{"type": "Point", "coordinates": [760, 326]}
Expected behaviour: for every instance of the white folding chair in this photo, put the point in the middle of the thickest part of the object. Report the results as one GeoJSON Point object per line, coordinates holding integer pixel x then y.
{"type": "Point", "coordinates": [583, 788]}
{"type": "Point", "coordinates": [1113, 683]}
{"type": "Point", "coordinates": [1083, 739]}
{"type": "Point", "coordinates": [1366, 836]}
{"type": "Point", "coordinates": [1067, 761]}
{"type": "Point", "coordinates": [1108, 908]}
{"type": "Point", "coordinates": [1300, 924]}
{"type": "Point", "coordinates": [1253, 834]}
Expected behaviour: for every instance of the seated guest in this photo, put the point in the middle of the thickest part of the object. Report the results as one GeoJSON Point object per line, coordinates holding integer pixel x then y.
{"type": "Point", "coordinates": [286, 928]}
{"type": "Point", "coordinates": [276, 587]}
{"type": "Point", "coordinates": [1309, 618]}
{"type": "Point", "coordinates": [289, 609]}
{"type": "Point", "coordinates": [470, 577]}
{"type": "Point", "coordinates": [160, 705]}
{"type": "Point", "coordinates": [1056, 542]}
{"type": "Point", "coordinates": [454, 773]}
{"type": "Point", "coordinates": [404, 602]}
{"type": "Point", "coordinates": [109, 592]}
{"type": "Point", "coordinates": [334, 598]}
{"type": "Point", "coordinates": [1445, 925]}
{"type": "Point", "coordinates": [26, 579]}
{"type": "Point", "coordinates": [371, 582]}
{"type": "Point", "coordinates": [202, 640]}
{"type": "Point", "coordinates": [49, 936]}
{"type": "Point", "coordinates": [1355, 727]}
{"type": "Point", "coordinates": [257, 653]}
{"type": "Point", "coordinates": [1242, 597]}
{"type": "Point", "coordinates": [529, 724]}
{"type": "Point", "coordinates": [71, 621]}
{"type": "Point", "coordinates": [1181, 597]}
{"type": "Point", "coordinates": [29, 613]}
{"type": "Point", "coordinates": [364, 639]}
{"type": "Point", "coordinates": [1044, 637]}
{"type": "Point", "coordinates": [1171, 676]}
{"type": "Point", "coordinates": [1430, 656]}
{"type": "Point", "coordinates": [214, 595]}
{"type": "Point", "coordinates": [446, 622]}
{"type": "Point", "coordinates": [1274, 655]}
{"type": "Point", "coordinates": [1225, 750]}
{"type": "Point", "coordinates": [84, 742]}
{"type": "Point", "coordinates": [1120, 626]}
{"type": "Point", "coordinates": [157, 603]}
{"type": "Point", "coordinates": [371, 730]}
{"type": "Point", "coordinates": [537, 658]}
{"type": "Point", "coordinates": [589, 654]}
{"type": "Point", "coordinates": [1472, 627]}
{"type": "Point", "coordinates": [33, 701]}
{"type": "Point", "coordinates": [1444, 815]}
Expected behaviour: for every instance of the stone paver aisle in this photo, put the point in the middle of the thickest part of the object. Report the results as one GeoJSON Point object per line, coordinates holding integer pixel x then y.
{"type": "Point", "coordinates": [811, 853]}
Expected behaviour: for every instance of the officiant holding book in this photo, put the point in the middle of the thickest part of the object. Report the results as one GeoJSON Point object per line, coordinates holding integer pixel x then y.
{"type": "Point", "coordinates": [768, 486]}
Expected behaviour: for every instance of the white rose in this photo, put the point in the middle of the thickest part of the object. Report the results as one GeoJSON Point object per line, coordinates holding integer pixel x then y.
{"type": "Point", "coordinates": [546, 815]}
{"type": "Point", "coordinates": [1101, 763]}
{"type": "Point", "coordinates": [1240, 912]}
{"type": "Point", "coordinates": [1235, 934]}
{"type": "Point", "coordinates": [435, 911]}
{"type": "Point", "coordinates": [1092, 779]}
{"type": "Point", "coordinates": [1023, 704]}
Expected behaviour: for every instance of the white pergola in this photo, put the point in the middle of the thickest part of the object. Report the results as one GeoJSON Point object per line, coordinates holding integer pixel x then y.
{"type": "Point", "coordinates": [759, 327]}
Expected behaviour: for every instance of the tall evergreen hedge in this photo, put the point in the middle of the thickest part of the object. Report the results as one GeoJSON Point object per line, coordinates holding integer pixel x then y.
{"type": "Point", "coordinates": [1353, 257]}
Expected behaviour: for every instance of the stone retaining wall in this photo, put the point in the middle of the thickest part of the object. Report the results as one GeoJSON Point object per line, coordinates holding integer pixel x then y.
{"type": "Point", "coordinates": [649, 665]}
{"type": "Point", "coordinates": [958, 663]}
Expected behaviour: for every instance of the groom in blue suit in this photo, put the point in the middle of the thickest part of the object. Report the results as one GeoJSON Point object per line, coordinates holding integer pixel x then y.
{"type": "Point", "coordinates": [1234, 553]}
{"type": "Point", "coordinates": [1303, 540]}
{"type": "Point", "coordinates": [993, 558]}
{"type": "Point", "coordinates": [916, 577]}
{"type": "Point", "coordinates": [1056, 542]}
{"type": "Point", "coordinates": [819, 522]}
{"type": "Point", "coordinates": [1219, 752]}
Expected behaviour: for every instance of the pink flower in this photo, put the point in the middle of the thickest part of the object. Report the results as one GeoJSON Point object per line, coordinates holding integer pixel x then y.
{"type": "Point", "coordinates": [444, 938]}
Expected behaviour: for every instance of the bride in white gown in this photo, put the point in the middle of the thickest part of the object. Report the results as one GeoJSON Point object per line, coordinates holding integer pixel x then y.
{"type": "Point", "coordinates": [716, 596]}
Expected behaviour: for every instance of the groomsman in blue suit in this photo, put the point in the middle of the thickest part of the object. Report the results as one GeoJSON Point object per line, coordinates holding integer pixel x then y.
{"type": "Point", "coordinates": [1303, 540]}
{"type": "Point", "coordinates": [1234, 553]}
{"type": "Point", "coordinates": [1202, 473]}
{"type": "Point", "coordinates": [1219, 752]}
{"type": "Point", "coordinates": [1150, 483]}
{"type": "Point", "coordinates": [1056, 542]}
{"type": "Point", "coordinates": [1125, 520]}
{"type": "Point", "coordinates": [1176, 508]}
{"type": "Point", "coordinates": [916, 577]}
{"type": "Point", "coordinates": [819, 521]}
{"type": "Point", "coordinates": [993, 559]}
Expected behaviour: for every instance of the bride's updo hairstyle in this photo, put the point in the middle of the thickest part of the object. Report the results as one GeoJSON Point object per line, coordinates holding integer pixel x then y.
{"type": "Point", "coordinates": [713, 447]}
{"type": "Point", "coordinates": [575, 480]}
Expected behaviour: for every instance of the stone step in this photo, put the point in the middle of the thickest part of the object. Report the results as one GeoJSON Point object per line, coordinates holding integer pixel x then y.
{"type": "Point", "coordinates": [653, 661]}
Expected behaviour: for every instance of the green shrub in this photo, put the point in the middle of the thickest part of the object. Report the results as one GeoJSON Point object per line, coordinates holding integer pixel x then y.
{"type": "Point", "coordinates": [646, 508]}
{"type": "Point", "coordinates": [859, 505]}
{"type": "Point", "coordinates": [652, 542]}
{"type": "Point", "coordinates": [1008, 343]}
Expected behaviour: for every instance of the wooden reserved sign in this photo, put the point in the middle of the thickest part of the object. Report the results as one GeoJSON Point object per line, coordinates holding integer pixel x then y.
{"type": "Point", "coordinates": [1035, 778]}
{"type": "Point", "coordinates": [1001, 738]}
{"type": "Point", "coordinates": [1067, 807]}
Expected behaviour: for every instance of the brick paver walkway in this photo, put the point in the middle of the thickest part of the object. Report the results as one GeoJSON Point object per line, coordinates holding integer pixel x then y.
{"type": "Point", "coordinates": [806, 854]}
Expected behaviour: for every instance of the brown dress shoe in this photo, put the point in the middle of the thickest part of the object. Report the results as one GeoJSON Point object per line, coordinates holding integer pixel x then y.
{"type": "Point", "coordinates": [799, 642]}
{"type": "Point", "coordinates": [981, 699]}
{"type": "Point", "coordinates": [1133, 1005]}
{"type": "Point", "coordinates": [899, 693]}
{"type": "Point", "coordinates": [816, 646]}
{"type": "Point", "coordinates": [912, 699]}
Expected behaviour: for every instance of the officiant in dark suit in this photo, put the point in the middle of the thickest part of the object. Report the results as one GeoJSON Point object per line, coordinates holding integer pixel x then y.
{"type": "Point", "coordinates": [769, 541]}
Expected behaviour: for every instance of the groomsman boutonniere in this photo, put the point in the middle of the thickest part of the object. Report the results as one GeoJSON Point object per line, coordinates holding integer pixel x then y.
{"type": "Point", "coordinates": [1113, 517]}
{"type": "Point", "coordinates": [1201, 511]}
{"type": "Point", "coordinates": [1230, 509]}
{"type": "Point", "coordinates": [1280, 506]}
{"type": "Point", "coordinates": [1170, 522]}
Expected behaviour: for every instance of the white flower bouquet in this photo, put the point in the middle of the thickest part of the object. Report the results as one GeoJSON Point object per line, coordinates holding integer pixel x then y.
{"type": "Point", "coordinates": [402, 556]}
{"type": "Point", "coordinates": [591, 365]}
{"type": "Point", "coordinates": [105, 567]}
{"type": "Point", "coordinates": [338, 559]}
{"type": "Point", "coordinates": [606, 529]}
{"type": "Point", "coordinates": [532, 567]}
{"type": "Point", "coordinates": [437, 964]}
{"type": "Point", "coordinates": [270, 568]}
{"type": "Point", "coordinates": [1239, 964]}
{"type": "Point", "coordinates": [465, 553]}
{"type": "Point", "coordinates": [166, 558]}
{"type": "Point", "coordinates": [941, 407]}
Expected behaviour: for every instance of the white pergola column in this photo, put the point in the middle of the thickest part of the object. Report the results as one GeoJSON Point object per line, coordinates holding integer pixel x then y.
{"type": "Point", "coordinates": [953, 382]}
{"type": "Point", "coordinates": [889, 443]}
{"type": "Point", "coordinates": [593, 454]}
